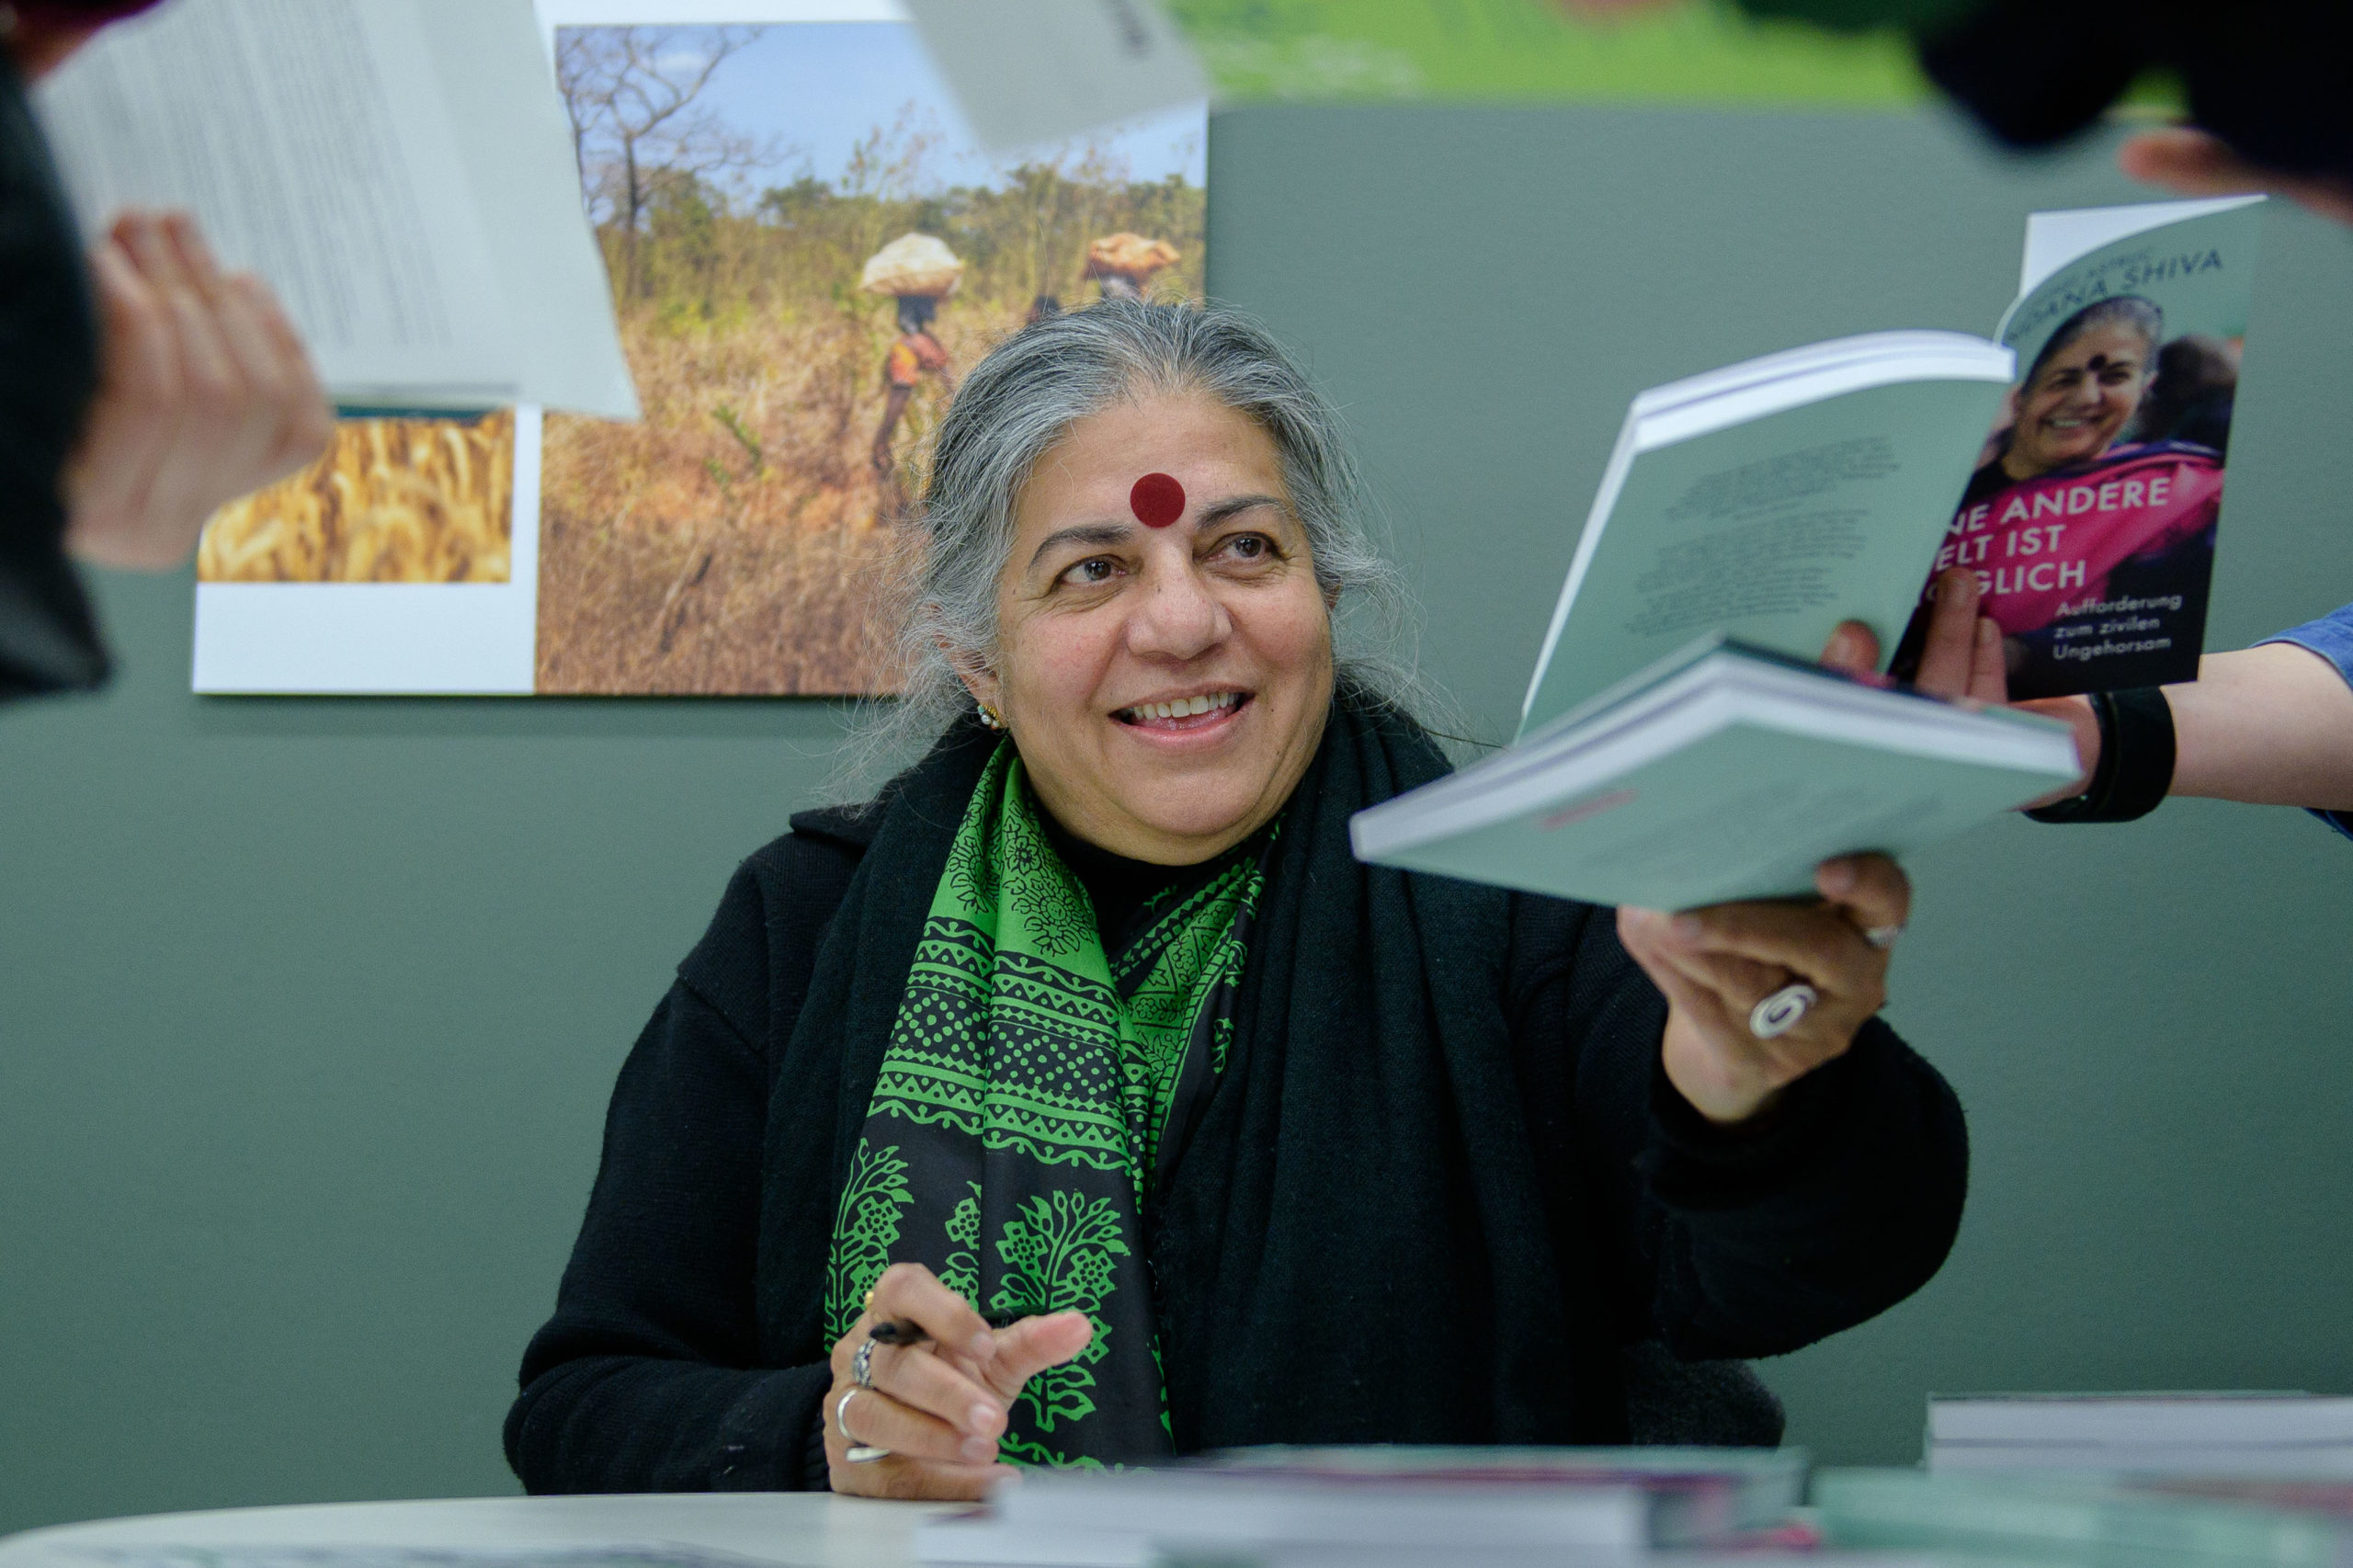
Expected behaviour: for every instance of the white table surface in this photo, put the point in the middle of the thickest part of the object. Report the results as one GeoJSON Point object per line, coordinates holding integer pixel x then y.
{"type": "Point", "coordinates": [804, 1529]}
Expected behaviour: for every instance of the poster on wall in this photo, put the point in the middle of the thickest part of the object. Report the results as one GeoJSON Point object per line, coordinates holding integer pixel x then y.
{"type": "Point", "coordinates": [807, 249]}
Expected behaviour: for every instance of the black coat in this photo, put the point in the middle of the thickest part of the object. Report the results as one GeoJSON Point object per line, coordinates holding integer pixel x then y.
{"type": "Point", "coordinates": [48, 357]}
{"type": "Point", "coordinates": [1435, 1192]}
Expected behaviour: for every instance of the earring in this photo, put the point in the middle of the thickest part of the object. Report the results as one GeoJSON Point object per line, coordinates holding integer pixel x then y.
{"type": "Point", "coordinates": [989, 717]}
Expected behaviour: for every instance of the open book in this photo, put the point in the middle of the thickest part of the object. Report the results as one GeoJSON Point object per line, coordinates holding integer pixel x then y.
{"type": "Point", "coordinates": [401, 171]}
{"type": "Point", "coordinates": [1669, 755]}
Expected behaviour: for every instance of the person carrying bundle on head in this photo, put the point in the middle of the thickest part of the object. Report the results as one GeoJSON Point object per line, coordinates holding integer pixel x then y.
{"type": "Point", "coordinates": [1123, 263]}
{"type": "Point", "coordinates": [919, 271]}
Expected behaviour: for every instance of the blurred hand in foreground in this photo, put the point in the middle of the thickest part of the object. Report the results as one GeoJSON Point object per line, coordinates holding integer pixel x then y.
{"type": "Point", "coordinates": [2197, 163]}
{"type": "Point", "coordinates": [204, 395]}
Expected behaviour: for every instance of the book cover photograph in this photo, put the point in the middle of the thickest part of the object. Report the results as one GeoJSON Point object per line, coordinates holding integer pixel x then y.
{"type": "Point", "coordinates": [2090, 518]}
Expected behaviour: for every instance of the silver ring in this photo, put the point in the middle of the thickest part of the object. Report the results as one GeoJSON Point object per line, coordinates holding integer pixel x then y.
{"type": "Point", "coordinates": [1882, 937]}
{"type": "Point", "coordinates": [860, 1453]}
{"type": "Point", "coordinates": [1780, 1013]}
{"type": "Point", "coordinates": [861, 1365]}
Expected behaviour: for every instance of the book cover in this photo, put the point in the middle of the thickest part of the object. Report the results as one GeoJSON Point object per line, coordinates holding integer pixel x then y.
{"type": "Point", "coordinates": [2090, 517]}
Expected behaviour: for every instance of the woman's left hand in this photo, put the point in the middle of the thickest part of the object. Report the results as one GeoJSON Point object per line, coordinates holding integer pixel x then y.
{"type": "Point", "coordinates": [1716, 964]}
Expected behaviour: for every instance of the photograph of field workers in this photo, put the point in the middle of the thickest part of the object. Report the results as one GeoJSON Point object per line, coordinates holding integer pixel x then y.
{"type": "Point", "coordinates": [393, 501]}
{"type": "Point", "coordinates": [807, 249]}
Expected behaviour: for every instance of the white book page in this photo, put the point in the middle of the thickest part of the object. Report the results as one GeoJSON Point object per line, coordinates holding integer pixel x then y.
{"type": "Point", "coordinates": [1791, 362]}
{"type": "Point", "coordinates": [1031, 71]}
{"type": "Point", "coordinates": [311, 140]}
{"type": "Point", "coordinates": [2142, 1419]}
{"type": "Point", "coordinates": [1613, 480]}
{"type": "Point", "coordinates": [554, 14]}
{"type": "Point", "coordinates": [1976, 362]}
{"type": "Point", "coordinates": [500, 85]}
{"type": "Point", "coordinates": [2054, 239]}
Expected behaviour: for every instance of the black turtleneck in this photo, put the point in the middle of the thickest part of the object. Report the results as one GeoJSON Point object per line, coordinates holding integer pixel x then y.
{"type": "Point", "coordinates": [1119, 887]}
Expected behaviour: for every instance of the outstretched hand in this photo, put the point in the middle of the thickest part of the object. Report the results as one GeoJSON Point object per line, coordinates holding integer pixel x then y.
{"type": "Point", "coordinates": [941, 1405]}
{"type": "Point", "coordinates": [205, 394]}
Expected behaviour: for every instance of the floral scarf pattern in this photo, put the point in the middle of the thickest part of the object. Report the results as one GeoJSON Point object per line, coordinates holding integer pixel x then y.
{"type": "Point", "coordinates": [1034, 1093]}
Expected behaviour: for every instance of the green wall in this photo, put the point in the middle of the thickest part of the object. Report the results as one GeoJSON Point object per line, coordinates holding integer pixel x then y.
{"type": "Point", "coordinates": [308, 1009]}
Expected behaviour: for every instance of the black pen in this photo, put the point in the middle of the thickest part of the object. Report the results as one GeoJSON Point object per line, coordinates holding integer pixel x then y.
{"type": "Point", "coordinates": [905, 1330]}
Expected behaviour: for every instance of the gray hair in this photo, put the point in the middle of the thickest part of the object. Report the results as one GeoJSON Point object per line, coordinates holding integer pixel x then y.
{"type": "Point", "coordinates": [1019, 402]}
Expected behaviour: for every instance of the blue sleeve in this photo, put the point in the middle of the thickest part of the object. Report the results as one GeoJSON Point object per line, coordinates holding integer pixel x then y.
{"type": "Point", "coordinates": [2332, 638]}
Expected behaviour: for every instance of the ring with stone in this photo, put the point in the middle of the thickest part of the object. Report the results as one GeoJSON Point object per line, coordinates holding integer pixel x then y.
{"type": "Point", "coordinates": [1882, 937]}
{"type": "Point", "coordinates": [861, 1365]}
{"type": "Point", "coordinates": [1780, 1013]}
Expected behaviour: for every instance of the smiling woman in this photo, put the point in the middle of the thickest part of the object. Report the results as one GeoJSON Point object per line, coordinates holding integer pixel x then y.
{"type": "Point", "coordinates": [1087, 1060]}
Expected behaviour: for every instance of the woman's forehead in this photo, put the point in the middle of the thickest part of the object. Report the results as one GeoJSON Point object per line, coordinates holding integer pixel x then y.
{"type": "Point", "coordinates": [1200, 445]}
{"type": "Point", "coordinates": [2102, 346]}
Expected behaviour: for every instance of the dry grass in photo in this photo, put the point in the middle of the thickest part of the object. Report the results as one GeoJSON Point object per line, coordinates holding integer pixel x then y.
{"type": "Point", "coordinates": [738, 539]}
{"type": "Point", "coordinates": [393, 501]}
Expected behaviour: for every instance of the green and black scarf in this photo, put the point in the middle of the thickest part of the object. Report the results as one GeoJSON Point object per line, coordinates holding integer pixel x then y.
{"type": "Point", "coordinates": [1347, 1235]}
{"type": "Point", "coordinates": [1033, 1093]}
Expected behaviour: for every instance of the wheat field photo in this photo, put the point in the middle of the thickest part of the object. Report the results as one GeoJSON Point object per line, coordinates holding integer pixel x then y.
{"type": "Point", "coordinates": [391, 501]}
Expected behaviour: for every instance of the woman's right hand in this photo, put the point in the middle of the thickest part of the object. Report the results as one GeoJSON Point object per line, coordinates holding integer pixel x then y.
{"type": "Point", "coordinates": [941, 1405]}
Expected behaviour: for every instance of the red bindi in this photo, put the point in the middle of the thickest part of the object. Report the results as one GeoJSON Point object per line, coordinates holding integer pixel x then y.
{"type": "Point", "coordinates": [1157, 500]}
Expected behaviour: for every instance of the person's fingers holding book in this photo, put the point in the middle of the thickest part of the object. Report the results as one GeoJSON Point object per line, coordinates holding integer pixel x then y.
{"type": "Point", "coordinates": [280, 419]}
{"type": "Point", "coordinates": [1853, 647]}
{"type": "Point", "coordinates": [264, 413]}
{"type": "Point", "coordinates": [1962, 656]}
{"type": "Point", "coordinates": [2083, 720]}
{"type": "Point", "coordinates": [204, 395]}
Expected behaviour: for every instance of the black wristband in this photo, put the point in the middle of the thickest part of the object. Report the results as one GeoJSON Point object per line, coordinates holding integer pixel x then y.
{"type": "Point", "coordinates": [2136, 756]}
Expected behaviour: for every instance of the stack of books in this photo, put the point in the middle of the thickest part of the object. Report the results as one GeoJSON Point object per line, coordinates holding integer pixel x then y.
{"type": "Point", "coordinates": [2090, 1522]}
{"type": "Point", "coordinates": [1372, 1508]}
{"type": "Point", "coordinates": [2281, 1435]}
{"type": "Point", "coordinates": [1723, 772]}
